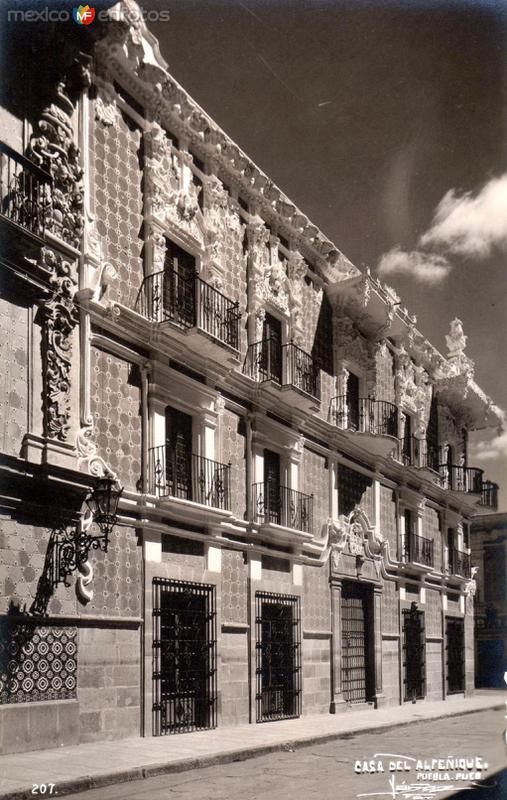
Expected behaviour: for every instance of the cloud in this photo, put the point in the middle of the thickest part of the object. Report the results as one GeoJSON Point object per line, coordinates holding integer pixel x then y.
{"type": "Point", "coordinates": [470, 226]}
{"type": "Point", "coordinates": [466, 225]}
{"type": "Point", "coordinates": [489, 450]}
{"type": "Point", "coordinates": [424, 267]}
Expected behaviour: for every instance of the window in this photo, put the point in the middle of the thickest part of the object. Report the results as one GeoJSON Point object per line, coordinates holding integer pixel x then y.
{"type": "Point", "coordinates": [494, 573]}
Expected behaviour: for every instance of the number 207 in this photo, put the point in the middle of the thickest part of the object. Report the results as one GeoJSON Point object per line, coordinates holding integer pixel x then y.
{"type": "Point", "coordinates": [44, 788]}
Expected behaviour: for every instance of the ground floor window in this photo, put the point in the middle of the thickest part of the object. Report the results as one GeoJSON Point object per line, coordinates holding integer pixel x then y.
{"type": "Point", "coordinates": [414, 653]}
{"type": "Point", "coordinates": [278, 656]}
{"type": "Point", "coordinates": [455, 652]}
{"type": "Point", "coordinates": [357, 642]}
{"type": "Point", "coordinates": [184, 656]}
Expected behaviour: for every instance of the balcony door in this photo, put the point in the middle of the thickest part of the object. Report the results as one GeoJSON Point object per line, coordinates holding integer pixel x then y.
{"type": "Point", "coordinates": [272, 495]}
{"type": "Point", "coordinates": [352, 399]}
{"type": "Point", "coordinates": [407, 440]}
{"type": "Point", "coordinates": [178, 427]}
{"type": "Point", "coordinates": [271, 356]}
{"type": "Point", "coordinates": [179, 285]}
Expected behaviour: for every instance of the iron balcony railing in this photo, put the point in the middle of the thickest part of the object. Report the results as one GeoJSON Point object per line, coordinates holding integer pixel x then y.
{"type": "Point", "coordinates": [280, 505]}
{"type": "Point", "coordinates": [459, 563]}
{"type": "Point", "coordinates": [189, 477]}
{"type": "Point", "coordinates": [25, 191]}
{"type": "Point", "coordinates": [461, 479]}
{"type": "Point", "coordinates": [418, 550]}
{"type": "Point", "coordinates": [189, 301]}
{"type": "Point", "coordinates": [414, 452]}
{"type": "Point", "coordinates": [287, 365]}
{"type": "Point", "coordinates": [377, 417]}
{"type": "Point", "coordinates": [489, 496]}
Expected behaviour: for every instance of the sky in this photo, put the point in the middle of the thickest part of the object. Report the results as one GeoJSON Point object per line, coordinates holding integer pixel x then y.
{"type": "Point", "coordinates": [386, 123]}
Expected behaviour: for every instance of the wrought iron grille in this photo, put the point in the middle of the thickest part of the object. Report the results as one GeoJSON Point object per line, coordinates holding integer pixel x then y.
{"type": "Point", "coordinates": [280, 505]}
{"type": "Point", "coordinates": [217, 315]}
{"type": "Point", "coordinates": [278, 656]}
{"type": "Point", "coordinates": [287, 365]}
{"type": "Point", "coordinates": [459, 563]}
{"type": "Point", "coordinates": [187, 300]}
{"type": "Point", "coordinates": [189, 477]}
{"type": "Point", "coordinates": [264, 361]}
{"type": "Point", "coordinates": [301, 372]}
{"type": "Point", "coordinates": [25, 191]}
{"type": "Point", "coordinates": [376, 417]}
{"type": "Point", "coordinates": [357, 656]}
{"type": "Point", "coordinates": [414, 653]}
{"type": "Point", "coordinates": [184, 656]}
{"type": "Point", "coordinates": [414, 452]}
{"type": "Point", "coordinates": [489, 496]}
{"type": "Point", "coordinates": [455, 650]}
{"type": "Point", "coordinates": [418, 550]}
{"type": "Point", "coordinates": [461, 479]}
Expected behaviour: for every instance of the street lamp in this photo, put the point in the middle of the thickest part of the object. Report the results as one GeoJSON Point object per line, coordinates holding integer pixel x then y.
{"type": "Point", "coordinates": [103, 505]}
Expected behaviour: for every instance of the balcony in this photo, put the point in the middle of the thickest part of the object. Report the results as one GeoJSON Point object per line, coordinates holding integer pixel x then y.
{"type": "Point", "coordinates": [284, 367]}
{"type": "Point", "coordinates": [373, 423]}
{"type": "Point", "coordinates": [417, 453]}
{"type": "Point", "coordinates": [461, 479]}
{"type": "Point", "coordinates": [418, 550]}
{"type": "Point", "coordinates": [25, 193]}
{"type": "Point", "coordinates": [489, 495]}
{"type": "Point", "coordinates": [278, 505]}
{"type": "Point", "coordinates": [459, 563]}
{"type": "Point", "coordinates": [192, 305]}
{"type": "Point", "coordinates": [189, 477]}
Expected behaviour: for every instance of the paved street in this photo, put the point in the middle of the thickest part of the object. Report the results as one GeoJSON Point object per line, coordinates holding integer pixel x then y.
{"type": "Point", "coordinates": [326, 772]}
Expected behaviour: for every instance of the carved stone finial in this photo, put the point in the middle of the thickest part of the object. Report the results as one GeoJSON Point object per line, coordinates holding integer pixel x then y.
{"type": "Point", "coordinates": [456, 339]}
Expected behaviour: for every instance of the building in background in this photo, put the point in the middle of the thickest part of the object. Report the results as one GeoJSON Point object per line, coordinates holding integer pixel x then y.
{"type": "Point", "coordinates": [489, 557]}
{"type": "Point", "coordinates": [293, 533]}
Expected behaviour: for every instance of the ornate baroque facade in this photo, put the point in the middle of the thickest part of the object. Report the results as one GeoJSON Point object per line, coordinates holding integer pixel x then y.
{"type": "Point", "coordinates": [293, 534]}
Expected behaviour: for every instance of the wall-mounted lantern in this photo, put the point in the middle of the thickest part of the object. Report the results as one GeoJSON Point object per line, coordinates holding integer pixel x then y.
{"type": "Point", "coordinates": [103, 505]}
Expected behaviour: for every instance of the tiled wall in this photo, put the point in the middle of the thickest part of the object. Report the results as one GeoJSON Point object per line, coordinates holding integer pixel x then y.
{"type": "Point", "coordinates": [316, 481]}
{"type": "Point", "coordinates": [117, 177]}
{"type": "Point", "coordinates": [316, 599]}
{"type": "Point", "coordinates": [233, 450]}
{"type": "Point", "coordinates": [14, 384]}
{"type": "Point", "coordinates": [384, 363]}
{"type": "Point", "coordinates": [234, 586]}
{"type": "Point", "coordinates": [115, 404]}
{"type": "Point", "coordinates": [388, 524]}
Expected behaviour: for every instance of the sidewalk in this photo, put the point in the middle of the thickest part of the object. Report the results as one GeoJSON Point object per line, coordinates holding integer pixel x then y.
{"type": "Point", "coordinates": [95, 764]}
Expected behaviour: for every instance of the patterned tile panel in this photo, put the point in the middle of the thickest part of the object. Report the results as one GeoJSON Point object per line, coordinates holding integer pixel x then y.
{"type": "Point", "coordinates": [119, 203]}
{"type": "Point", "coordinates": [433, 613]}
{"type": "Point", "coordinates": [116, 410]}
{"type": "Point", "coordinates": [117, 576]}
{"type": "Point", "coordinates": [316, 599]}
{"type": "Point", "coordinates": [390, 608]}
{"type": "Point", "coordinates": [316, 482]}
{"type": "Point", "coordinates": [37, 663]}
{"type": "Point", "coordinates": [234, 586]}
{"type": "Point", "coordinates": [14, 384]}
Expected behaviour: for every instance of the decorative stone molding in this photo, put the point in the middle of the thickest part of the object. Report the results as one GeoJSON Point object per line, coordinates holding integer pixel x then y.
{"type": "Point", "coordinates": [84, 575]}
{"type": "Point", "coordinates": [353, 532]}
{"type": "Point", "coordinates": [60, 318]}
{"type": "Point", "coordinates": [53, 148]}
{"type": "Point", "coordinates": [413, 389]}
{"type": "Point", "coordinates": [131, 54]}
{"type": "Point", "coordinates": [354, 350]}
{"type": "Point", "coordinates": [88, 458]}
{"type": "Point", "coordinates": [106, 109]}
